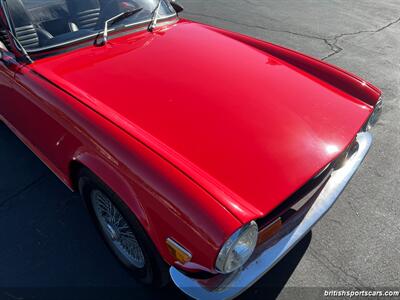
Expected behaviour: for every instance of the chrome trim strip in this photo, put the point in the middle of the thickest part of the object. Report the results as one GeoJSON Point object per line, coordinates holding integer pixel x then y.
{"type": "Point", "coordinates": [228, 287]}
{"type": "Point", "coordinates": [4, 10]}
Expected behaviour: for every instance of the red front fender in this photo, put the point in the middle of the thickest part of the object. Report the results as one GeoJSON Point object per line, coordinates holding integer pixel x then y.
{"type": "Point", "coordinates": [337, 77]}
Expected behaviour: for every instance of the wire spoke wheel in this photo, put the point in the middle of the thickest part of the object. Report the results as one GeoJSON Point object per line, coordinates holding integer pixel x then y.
{"type": "Point", "coordinates": [117, 230]}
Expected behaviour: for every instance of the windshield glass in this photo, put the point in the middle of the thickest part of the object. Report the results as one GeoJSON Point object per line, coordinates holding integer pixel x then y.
{"type": "Point", "coordinates": [43, 24]}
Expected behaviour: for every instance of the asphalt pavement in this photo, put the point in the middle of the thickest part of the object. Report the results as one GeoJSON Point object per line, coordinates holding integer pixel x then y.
{"type": "Point", "coordinates": [49, 248]}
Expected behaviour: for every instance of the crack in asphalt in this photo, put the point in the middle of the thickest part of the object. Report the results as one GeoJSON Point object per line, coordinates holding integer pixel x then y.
{"type": "Point", "coordinates": [334, 268]}
{"type": "Point", "coordinates": [22, 190]}
{"type": "Point", "coordinates": [331, 42]}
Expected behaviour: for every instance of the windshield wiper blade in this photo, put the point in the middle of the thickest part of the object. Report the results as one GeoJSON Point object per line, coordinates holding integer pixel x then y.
{"type": "Point", "coordinates": [20, 47]}
{"type": "Point", "coordinates": [154, 16]}
{"type": "Point", "coordinates": [116, 19]}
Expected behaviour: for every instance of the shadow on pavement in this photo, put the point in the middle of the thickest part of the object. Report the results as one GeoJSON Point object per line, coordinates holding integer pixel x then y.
{"type": "Point", "coordinates": [49, 248]}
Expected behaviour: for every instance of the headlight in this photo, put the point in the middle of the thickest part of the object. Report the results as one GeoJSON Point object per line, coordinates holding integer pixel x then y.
{"type": "Point", "coordinates": [237, 249]}
{"type": "Point", "coordinates": [373, 119]}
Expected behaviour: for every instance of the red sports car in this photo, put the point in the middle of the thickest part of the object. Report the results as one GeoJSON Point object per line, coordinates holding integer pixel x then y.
{"type": "Point", "coordinates": [202, 154]}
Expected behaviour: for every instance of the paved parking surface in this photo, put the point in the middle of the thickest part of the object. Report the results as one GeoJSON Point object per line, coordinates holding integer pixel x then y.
{"type": "Point", "coordinates": [47, 239]}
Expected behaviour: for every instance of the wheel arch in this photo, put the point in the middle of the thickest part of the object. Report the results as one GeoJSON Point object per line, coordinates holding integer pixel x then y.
{"type": "Point", "coordinates": [113, 179]}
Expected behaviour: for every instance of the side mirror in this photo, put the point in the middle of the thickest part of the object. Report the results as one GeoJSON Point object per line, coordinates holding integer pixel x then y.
{"type": "Point", "coordinates": [4, 57]}
{"type": "Point", "coordinates": [8, 59]}
{"type": "Point", "coordinates": [2, 49]}
{"type": "Point", "coordinates": [177, 7]}
{"type": "Point", "coordinates": [4, 53]}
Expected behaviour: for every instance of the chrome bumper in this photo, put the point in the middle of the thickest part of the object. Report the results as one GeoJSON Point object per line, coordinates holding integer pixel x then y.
{"type": "Point", "coordinates": [268, 254]}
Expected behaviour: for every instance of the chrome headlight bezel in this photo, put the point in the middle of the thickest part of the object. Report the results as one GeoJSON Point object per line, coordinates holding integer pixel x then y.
{"type": "Point", "coordinates": [375, 116]}
{"type": "Point", "coordinates": [237, 249]}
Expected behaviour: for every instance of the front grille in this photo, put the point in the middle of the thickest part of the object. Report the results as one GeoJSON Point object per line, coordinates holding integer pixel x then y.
{"type": "Point", "coordinates": [308, 191]}
{"type": "Point", "coordinates": [347, 154]}
{"type": "Point", "coordinates": [287, 208]}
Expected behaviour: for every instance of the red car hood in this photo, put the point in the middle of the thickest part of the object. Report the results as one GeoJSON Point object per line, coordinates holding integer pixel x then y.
{"type": "Point", "coordinates": [247, 127]}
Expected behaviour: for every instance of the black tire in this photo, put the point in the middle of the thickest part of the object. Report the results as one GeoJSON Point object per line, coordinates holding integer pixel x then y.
{"type": "Point", "coordinates": [155, 270]}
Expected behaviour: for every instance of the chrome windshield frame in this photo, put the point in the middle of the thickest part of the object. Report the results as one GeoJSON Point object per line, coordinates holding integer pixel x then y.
{"type": "Point", "coordinates": [5, 12]}
{"type": "Point", "coordinates": [94, 35]}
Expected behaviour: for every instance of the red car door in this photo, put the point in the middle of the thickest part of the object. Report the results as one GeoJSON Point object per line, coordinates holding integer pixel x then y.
{"type": "Point", "coordinates": [6, 82]}
{"type": "Point", "coordinates": [8, 67]}
{"type": "Point", "coordinates": [31, 112]}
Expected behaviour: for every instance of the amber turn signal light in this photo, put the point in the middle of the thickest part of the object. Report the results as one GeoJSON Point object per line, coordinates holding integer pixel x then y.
{"type": "Point", "coordinates": [269, 231]}
{"type": "Point", "coordinates": [177, 251]}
